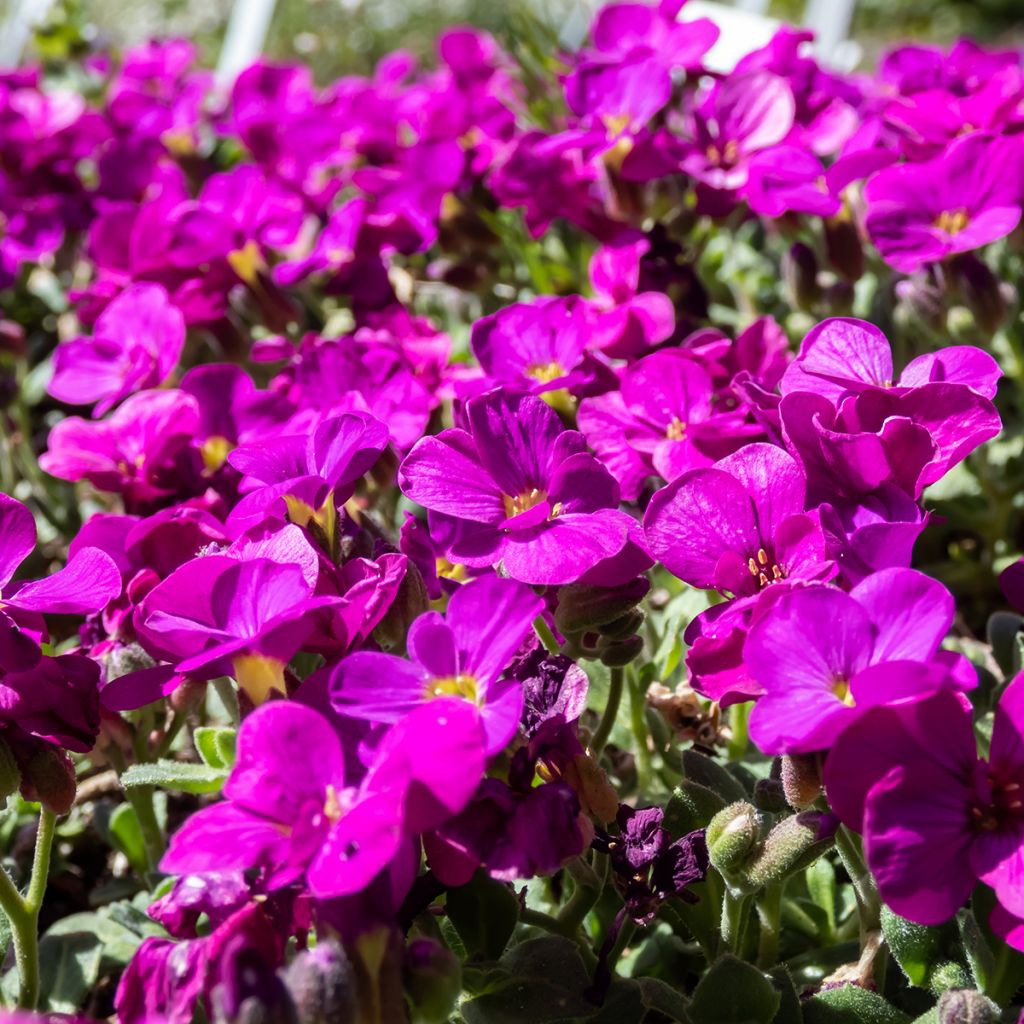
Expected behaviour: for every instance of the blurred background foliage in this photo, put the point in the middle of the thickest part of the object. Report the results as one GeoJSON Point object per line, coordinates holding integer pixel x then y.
{"type": "Point", "coordinates": [337, 37]}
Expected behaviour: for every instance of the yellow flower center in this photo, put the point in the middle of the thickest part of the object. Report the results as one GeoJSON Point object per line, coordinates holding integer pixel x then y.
{"type": "Point", "coordinates": [545, 372]}
{"type": "Point", "coordinates": [215, 452]}
{"type": "Point", "coordinates": [841, 689]}
{"type": "Point", "coordinates": [952, 222]}
{"type": "Point", "coordinates": [676, 430]}
{"type": "Point", "coordinates": [454, 686]}
{"type": "Point", "coordinates": [726, 155]}
{"type": "Point", "coordinates": [763, 571]}
{"type": "Point", "coordinates": [259, 676]}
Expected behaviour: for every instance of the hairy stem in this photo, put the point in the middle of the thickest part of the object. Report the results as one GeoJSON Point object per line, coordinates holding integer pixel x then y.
{"type": "Point", "coordinates": [23, 912]}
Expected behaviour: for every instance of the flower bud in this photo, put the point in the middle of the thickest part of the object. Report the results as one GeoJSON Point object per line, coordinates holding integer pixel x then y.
{"type": "Point", "coordinates": [125, 658]}
{"type": "Point", "coordinates": [965, 1006]}
{"type": "Point", "coordinates": [792, 845]}
{"type": "Point", "coordinates": [838, 298]}
{"type": "Point", "coordinates": [801, 779]}
{"type": "Point", "coordinates": [769, 796]}
{"type": "Point", "coordinates": [920, 299]}
{"type": "Point", "coordinates": [845, 252]}
{"type": "Point", "coordinates": [615, 653]}
{"type": "Point", "coordinates": [433, 980]}
{"type": "Point", "coordinates": [582, 608]}
{"type": "Point", "coordinates": [322, 984]}
{"type": "Point", "coordinates": [981, 292]}
{"type": "Point", "coordinates": [947, 977]}
{"type": "Point", "coordinates": [48, 776]}
{"type": "Point", "coordinates": [800, 270]}
{"type": "Point", "coordinates": [410, 602]}
{"type": "Point", "coordinates": [733, 837]}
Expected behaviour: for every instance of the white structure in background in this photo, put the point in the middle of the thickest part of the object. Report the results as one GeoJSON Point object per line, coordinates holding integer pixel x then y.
{"type": "Point", "coordinates": [744, 28]}
{"type": "Point", "coordinates": [15, 29]}
{"type": "Point", "coordinates": [245, 37]}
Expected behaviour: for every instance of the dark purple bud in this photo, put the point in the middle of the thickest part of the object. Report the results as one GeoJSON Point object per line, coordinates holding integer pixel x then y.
{"type": "Point", "coordinates": [845, 251]}
{"type": "Point", "coordinates": [965, 1006]}
{"type": "Point", "coordinates": [322, 984]}
{"type": "Point", "coordinates": [981, 292]}
{"type": "Point", "coordinates": [432, 977]}
{"type": "Point", "coordinates": [800, 271]}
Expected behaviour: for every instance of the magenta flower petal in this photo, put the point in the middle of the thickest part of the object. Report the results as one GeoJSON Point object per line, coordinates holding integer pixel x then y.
{"type": "Point", "coordinates": [911, 613]}
{"type": "Point", "coordinates": [18, 530]}
{"type": "Point", "coordinates": [85, 585]}
{"type": "Point", "coordinates": [444, 474]}
{"type": "Point", "coordinates": [918, 848]}
{"type": "Point", "coordinates": [285, 758]}
{"type": "Point", "coordinates": [489, 619]}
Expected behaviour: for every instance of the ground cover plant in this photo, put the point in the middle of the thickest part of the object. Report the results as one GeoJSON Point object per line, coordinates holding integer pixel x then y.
{"type": "Point", "coordinates": [534, 537]}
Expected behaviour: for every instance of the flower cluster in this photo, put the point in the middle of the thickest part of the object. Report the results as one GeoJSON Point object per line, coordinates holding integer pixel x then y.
{"type": "Point", "coordinates": [393, 435]}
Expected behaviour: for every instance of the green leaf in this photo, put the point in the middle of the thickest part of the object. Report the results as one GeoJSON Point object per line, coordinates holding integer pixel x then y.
{"type": "Point", "coordinates": [216, 746]}
{"type": "Point", "coordinates": [484, 914]}
{"type": "Point", "coordinates": [539, 981]}
{"type": "Point", "coordinates": [851, 1005]}
{"type": "Point", "coordinates": [126, 834]}
{"type": "Point", "coordinates": [117, 942]}
{"type": "Point", "coordinates": [69, 966]}
{"type": "Point", "coordinates": [789, 1011]}
{"type": "Point", "coordinates": [1003, 632]}
{"type": "Point", "coordinates": [913, 946]}
{"type": "Point", "coordinates": [821, 885]}
{"type": "Point", "coordinates": [175, 775]}
{"type": "Point", "coordinates": [660, 996]}
{"type": "Point", "coordinates": [690, 807]}
{"type": "Point", "coordinates": [702, 769]}
{"type": "Point", "coordinates": [734, 992]}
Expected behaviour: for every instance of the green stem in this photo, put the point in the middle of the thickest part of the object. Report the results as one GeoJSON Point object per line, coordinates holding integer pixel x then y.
{"type": "Point", "coordinates": [739, 716]}
{"type": "Point", "coordinates": [178, 719]}
{"type": "Point", "coordinates": [547, 638]}
{"type": "Point", "coordinates": [638, 722]}
{"type": "Point", "coordinates": [1006, 977]}
{"type": "Point", "coordinates": [23, 912]}
{"type": "Point", "coordinates": [589, 885]}
{"type": "Point", "coordinates": [734, 920]}
{"type": "Point", "coordinates": [769, 914]}
{"type": "Point", "coordinates": [869, 905]}
{"type": "Point", "coordinates": [611, 711]}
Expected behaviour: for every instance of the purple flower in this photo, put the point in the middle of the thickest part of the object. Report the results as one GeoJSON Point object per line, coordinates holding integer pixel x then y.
{"type": "Point", "coordinates": [462, 655]}
{"type": "Point", "coordinates": [824, 657]}
{"type": "Point", "coordinates": [881, 437]}
{"type": "Point", "coordinates": [142, 451]}
{"type": "Point", "coordinates": [290, 810]}
{"type": "Point", "coordinates": [661, 421]}
{"type": "Point", "coordinates": [167, 980]}
{"type": "Point", "coordinates": [739, 525]}
{"type": "Point", "coordinates": [84, 585]}
{"type": "Point", "coordinates": [632, 319]}
{"type": "Point", "coordinates": [520, 489]}
{"type": "Point", "coordinates": [135, 344]}
{"type": "Point", "coordinates": [221, 615]}
{"type": "Point", "coordinates": [787, 179]}
{"type": "Point", "coordinates": [936, 818]}
{"type": "Point", "coordinates": [965, 198]}
{"type": "Point", "coordinates": [842, 356]}
{"type": "Point", "coordinates": [743, 114]}
{"type": "Point", "coordinates": [541, 346]}
{"type": "Point", "coordinates": [302, 474]}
